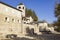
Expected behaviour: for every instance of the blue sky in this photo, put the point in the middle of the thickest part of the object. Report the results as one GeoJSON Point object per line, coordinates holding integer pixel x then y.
{"type": "Point", "coordinates": [44, 9]}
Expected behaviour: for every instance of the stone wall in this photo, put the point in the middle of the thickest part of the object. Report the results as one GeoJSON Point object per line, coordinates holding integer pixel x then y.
{"type": "Point", "coordinates": [10, 20]}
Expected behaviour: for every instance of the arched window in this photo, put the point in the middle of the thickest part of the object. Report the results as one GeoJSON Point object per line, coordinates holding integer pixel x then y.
{"type": "Point", "coordinates": [40, 29]}
{"type": "Point", "coordinates": [19, 7]}
{"type": "Point", "coordinates": [6, 19]}
{"type": "Point", "coordinates": [23, 7]}
{"type": "Point", "coordinates": [13, 20]}
{"type": "Point", "coordinates": [27, 30]}
{"type": "Point", "coordinates": [32, 30]}
{"type": "Point", "coordinates": [19, 21]}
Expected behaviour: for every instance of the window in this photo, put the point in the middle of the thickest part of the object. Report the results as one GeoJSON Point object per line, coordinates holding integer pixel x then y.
{"type": "Point", "coordinates": [13, 20]}
{"type": "Point", "coordinates": [19, 21]}
{"type": "Point", "coordinates": [6, 19]}
{"type": "Point", "coordinates": [32, 31]}
{"type": "Point", "coordinates": [41, 29]}
{"type": "Point", "coordinates": [23, 7]}
{"type": "Point", "coordinates": [27, 30]}
{"type": "Point", "coordinates": [19, 7]}
{"type": "Point", "coordinates": [24, 22]}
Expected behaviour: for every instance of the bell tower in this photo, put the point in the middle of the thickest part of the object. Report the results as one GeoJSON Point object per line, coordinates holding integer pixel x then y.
{"type": "Point", "coordinates": [22, 8]}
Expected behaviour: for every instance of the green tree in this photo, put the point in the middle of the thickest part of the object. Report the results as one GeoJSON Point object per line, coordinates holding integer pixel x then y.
{"type": "Point", "coordinates": [31, 13]}
{"type": "Point", "coordinates": [57, 10]}
{"type": "Point", "coordinates": [57, 15]}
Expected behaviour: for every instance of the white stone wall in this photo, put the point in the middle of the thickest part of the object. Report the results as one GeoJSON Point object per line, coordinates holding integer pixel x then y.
{"type": "Point", "coordinates": [43, 26]}
{"type": "Point", "coordinates": [9, 11]}
{"type": "Point", "coordinates": [8, 26]}
{"type": "Point", "coordinates": [30, 19]}
{"type": "Point", "coordinates": [16, 26]}
{"type": "Point", "coordinates": [34, 26]}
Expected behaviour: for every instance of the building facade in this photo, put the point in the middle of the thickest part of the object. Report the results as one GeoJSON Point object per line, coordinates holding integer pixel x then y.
{"type": "Point", "coordinates": [13, 21]}
{"type": "Point", "coordinates": [10, 19]}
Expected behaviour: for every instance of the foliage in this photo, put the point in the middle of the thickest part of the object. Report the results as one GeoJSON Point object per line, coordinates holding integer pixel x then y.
{"type": "Point", "coordinates": [31, 13]}
{"type": "Point", "coordinates": [57, 10]}
{"type": "Point", "coordinates": [56, 23]}
{"type": "Point", "coordinates": [57, 15]}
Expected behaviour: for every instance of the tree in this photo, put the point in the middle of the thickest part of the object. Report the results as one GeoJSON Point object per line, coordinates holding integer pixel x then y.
{"type": "Point", "coordinates": [57, 24]}
{"type": "Point", "coordinates": [31, 13]}
{"type": "Point", "coordinates": [57, 15]}
{"type": "Point", "coordinates": [57, 10]}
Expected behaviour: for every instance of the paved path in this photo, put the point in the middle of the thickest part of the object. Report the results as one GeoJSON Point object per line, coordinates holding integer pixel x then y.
{"type": "Point", "coordinates": [50, 37]}
{"type": "Point", "coordinates": [41, 37]}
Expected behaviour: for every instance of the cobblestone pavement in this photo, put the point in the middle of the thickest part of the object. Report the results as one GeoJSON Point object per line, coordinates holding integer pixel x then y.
{"type": "Point", "coordinates": [41, 37]}
{"type": "Point", "coordinates": [49, 37]}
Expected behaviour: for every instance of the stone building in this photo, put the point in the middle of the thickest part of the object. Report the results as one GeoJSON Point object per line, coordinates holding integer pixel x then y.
{"type": "Point", "coordinates": [10, 20]}
{"type": "Point", "coordinates": [13, 21]}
